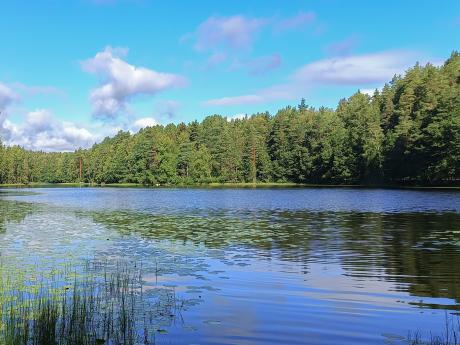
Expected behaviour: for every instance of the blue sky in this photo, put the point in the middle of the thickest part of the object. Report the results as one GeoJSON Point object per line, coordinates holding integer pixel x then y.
{"type": "Point", "coordinates": [72, 72]}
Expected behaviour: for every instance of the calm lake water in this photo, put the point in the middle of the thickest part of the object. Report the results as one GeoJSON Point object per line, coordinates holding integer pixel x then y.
{"type": "Point", "coordinates": [261, 266]}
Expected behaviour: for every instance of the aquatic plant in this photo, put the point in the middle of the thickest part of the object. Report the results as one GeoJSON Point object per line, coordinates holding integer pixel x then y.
{"type": "Point", "coordinates": [102, 305]}
{"type": "Point", "coordinates": [450, 336]}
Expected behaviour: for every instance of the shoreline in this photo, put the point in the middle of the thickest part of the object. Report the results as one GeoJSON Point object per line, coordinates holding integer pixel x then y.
{"type": "Point", "coordinates": [230, 185]}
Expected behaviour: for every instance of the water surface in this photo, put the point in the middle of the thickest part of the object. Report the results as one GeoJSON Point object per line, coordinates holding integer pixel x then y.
{"type": "Point", "coordinates": [262, 266]}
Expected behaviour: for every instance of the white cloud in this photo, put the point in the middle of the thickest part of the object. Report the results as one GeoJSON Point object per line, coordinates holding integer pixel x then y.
{"type": "Point", "coordinates": [238, 32]}
{"type": "Point", "coordinates": [235, 32]}
{"type": "Point", "coordinates": [227, 38]}
{"type": "Point", "coordinates": [369, 92]}
{"type": "Point", "coordinates": [272, 93]}
{"type": "Point", "coordinates": [236, 117]}
{"type": "Point", "coordinates": [42, 131]}
{"type": "Point", "coordinates": [143, 122]}
{"type": "Point", "coordinates": [358, 70]}
{"type": "Point", "coordinates": [119, 81]}
{"type": "Point", "coordinates": [225, 101]}
{"type": "Point", "coordinates": [355, 70]}
{"type": "Point", "coordinates": [7, 96]}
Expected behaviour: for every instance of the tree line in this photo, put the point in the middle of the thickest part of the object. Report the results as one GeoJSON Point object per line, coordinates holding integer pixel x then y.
{"type": "Point", "coordinates": [407, 132]}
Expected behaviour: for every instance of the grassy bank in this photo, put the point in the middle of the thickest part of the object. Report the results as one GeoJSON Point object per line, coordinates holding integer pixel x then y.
{"type": "Point", "coordinates": [229, 185]}
{"type": "Point", "coordinates": [44, 184]}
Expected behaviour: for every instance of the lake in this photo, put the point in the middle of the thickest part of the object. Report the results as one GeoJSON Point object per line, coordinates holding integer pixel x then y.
{"type": "Point", "coordinates": [260, 266]}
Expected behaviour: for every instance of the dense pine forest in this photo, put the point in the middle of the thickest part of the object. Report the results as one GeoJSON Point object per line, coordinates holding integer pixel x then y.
{"type": "Point", "coordinates": [408, 132]}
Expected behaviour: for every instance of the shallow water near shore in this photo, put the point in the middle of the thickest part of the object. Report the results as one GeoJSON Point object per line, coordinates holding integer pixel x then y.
{"type": "Point", "coordinates": [262, 266]}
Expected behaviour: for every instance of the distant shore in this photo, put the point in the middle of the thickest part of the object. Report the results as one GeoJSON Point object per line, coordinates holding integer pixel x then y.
{"type": "Point", "coordinates": [228, 185]}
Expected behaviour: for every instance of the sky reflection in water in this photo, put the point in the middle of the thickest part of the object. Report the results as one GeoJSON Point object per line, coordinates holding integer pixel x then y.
{"type": "Point", "coordinates": [330, 266]}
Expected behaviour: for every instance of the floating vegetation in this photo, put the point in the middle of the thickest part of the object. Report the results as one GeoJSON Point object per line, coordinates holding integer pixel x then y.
{"type": "Point", "coordinates": [94, 304]}
{"type": "Point", "coordinates": [13, 211]}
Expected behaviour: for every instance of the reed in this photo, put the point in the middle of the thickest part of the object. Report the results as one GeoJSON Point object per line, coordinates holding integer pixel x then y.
{"type": "Point", "coordinates": [102, 305]}
{"type": "Point", "coordinates": [450, 336]}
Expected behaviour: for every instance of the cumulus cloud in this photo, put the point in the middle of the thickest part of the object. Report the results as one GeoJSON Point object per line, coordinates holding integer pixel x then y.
{"type": "Point", "coordinates": [358, 70]}
{"type": "Point", "coordinates": [120, 81]}
{"type": "Point", "coordinates": [142, 123]}
{"type": "Point", "coordinates": [42, 131]}
{"type": "Point", "coordinates": [235, 32]}
{"type": "Point", "coordinates": [295, 22]}
{"type": "Point", "coordinates": [14, 92]}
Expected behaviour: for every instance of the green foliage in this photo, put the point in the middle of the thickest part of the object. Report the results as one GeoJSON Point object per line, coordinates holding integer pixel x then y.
{"type": "Point", "coordinates": [409, 132]}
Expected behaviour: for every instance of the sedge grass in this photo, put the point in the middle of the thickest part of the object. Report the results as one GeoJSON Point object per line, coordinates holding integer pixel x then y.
{"type": "Point", "coordinates": [100, 306]}
{"type": "Point", "coordinates": [449, 336]}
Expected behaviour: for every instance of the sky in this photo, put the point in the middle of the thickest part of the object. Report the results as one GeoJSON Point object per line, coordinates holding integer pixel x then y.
{"type": "Point", "coordinates": [74, 72]}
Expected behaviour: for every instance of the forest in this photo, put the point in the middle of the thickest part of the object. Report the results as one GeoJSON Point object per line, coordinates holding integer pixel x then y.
{"type": "Point", "coordinates": [406, 133]}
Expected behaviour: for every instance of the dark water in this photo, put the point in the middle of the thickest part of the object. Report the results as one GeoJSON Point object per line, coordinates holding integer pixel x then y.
{"type": "Point", "coordinates": [265, 266]}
